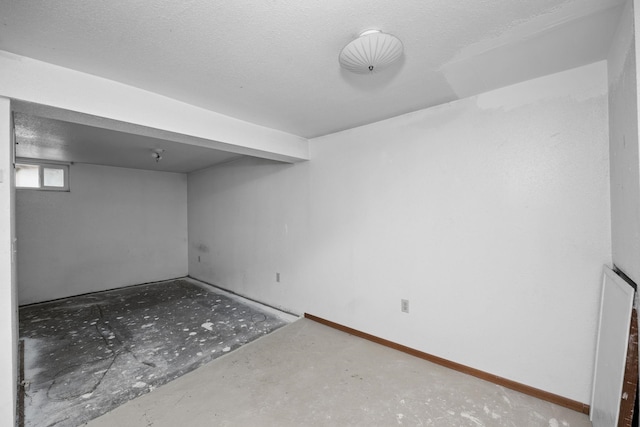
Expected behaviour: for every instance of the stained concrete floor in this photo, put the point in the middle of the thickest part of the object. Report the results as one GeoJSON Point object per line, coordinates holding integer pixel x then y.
{"type": "Point", "coordinates": [86, 355]}
{"type": "Point", "coordinates": [306, 374]}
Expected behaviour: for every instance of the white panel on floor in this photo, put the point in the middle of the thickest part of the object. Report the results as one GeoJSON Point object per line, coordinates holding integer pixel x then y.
{"type": "Point", "coordinates": [611, 350]}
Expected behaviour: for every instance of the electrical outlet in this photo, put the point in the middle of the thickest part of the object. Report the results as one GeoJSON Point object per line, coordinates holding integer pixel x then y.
{"type": "Point", "coordinates": [404, 305]}
{"type": "Point", "coordinates": [278, 277]}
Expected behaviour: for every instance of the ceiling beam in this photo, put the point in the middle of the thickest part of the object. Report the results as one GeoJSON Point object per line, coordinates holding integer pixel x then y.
{"type": "Point", "coordinates": [55, 92]}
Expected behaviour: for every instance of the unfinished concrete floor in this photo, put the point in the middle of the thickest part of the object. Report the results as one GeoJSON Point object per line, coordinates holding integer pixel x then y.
{"type": "Point", "coordinates": [306, 374]}
{"type": "Point", "coordinates": [86, 355]}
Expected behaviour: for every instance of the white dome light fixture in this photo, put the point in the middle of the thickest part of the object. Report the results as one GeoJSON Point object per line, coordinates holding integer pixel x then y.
{"type": "Point", "coordinates": [373, 50]}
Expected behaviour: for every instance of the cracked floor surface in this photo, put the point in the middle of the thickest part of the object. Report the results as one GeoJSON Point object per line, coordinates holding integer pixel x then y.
{"type": "Point", "coordinates": [86, 355]}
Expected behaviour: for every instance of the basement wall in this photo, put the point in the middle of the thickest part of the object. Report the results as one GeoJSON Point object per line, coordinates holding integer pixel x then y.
{"type": "Point", "coordinates": [116, 227]}
{"type": "Point", "coordinates": [623, 146]}
{"type": "Point", "coordinates": [624, 153]}
{"type": "Point", "coordinates": [8, 302]}
{"type": "Point", "coordinates": [491, 215]}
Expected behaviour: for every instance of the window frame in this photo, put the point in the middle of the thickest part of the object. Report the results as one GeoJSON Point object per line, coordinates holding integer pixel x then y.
{"type": "Point", "coordinates": [44, 164]}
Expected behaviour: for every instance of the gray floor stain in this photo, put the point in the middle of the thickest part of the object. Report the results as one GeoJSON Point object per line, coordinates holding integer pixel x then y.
{"type": "Point", "coordinates": [86, 355]}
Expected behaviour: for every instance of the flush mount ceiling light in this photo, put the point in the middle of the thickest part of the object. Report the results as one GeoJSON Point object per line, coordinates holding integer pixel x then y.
{"type": "Point", "coordinates": [373, 50]}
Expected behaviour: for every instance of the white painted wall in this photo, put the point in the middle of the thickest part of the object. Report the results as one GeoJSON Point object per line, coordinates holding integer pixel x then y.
{"type": "Point", "coordinates": [116, 227]}
{"type": "Point", "coordinates": [624, 116]}
{"type": "Point", "coordinates": [624, 153]}
{"type": "Point", "coordinates": [249, 219]}
{"type": "Point", "coordinates": [8, 305]}
{"type": "Point", "coordinates": [490, 214]}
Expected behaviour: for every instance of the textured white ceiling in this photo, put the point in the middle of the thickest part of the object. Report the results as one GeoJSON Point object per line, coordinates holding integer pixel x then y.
{"type": "Point", "coordinates": [50, 139]}
{"type": "Point", "coordinates": [275, 63]}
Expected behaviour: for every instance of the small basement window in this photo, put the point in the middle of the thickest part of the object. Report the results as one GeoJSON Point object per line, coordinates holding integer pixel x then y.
{"type": "Point", "coordinates": [42, 176]}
